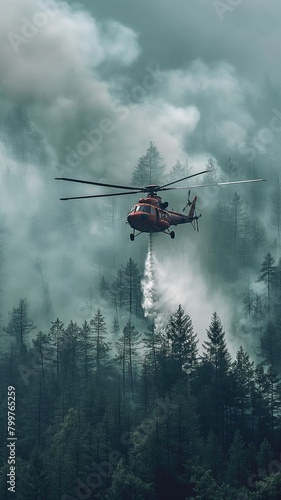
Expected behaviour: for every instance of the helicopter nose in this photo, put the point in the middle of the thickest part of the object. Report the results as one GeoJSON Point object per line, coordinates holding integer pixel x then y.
{"type": "Point", "coordinates": [144, 217]}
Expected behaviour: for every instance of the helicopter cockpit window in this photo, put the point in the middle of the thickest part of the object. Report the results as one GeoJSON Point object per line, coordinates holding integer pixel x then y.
{"type": "Point", "coordinates": [144, 208]}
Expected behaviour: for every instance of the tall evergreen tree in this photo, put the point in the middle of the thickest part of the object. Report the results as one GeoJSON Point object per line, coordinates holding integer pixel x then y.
{"type": "Point", "coordinates": [243, 372]}
{"type": "Point", "coordinates": [131, 288]}
{"type": "Point", "coordinates": [86, 345]}
{"type": "Point", "coordinates": [56, 336]}
{"type": "Point", "coordinates": [183, 341]}
{"type": "Point", "coordinates": [20, 324]}
{"type": "Point", "coordinates": [101, 345]}
{"type": "Point", "coordinates": [276, 208]}
{"type": "Point", "coordinates": [267, 273]}
{"type": "Point", "coordinates": [150, 168]}
{"type": "Point", "coordinates": [217, 358]}
{"type": "Point", "coordinates": [127, 354]}
{"type": "Point", "coordinates": [270, 345]}
{"type": "Point", "coordinates": [43, 350]}
{"type": "Point", "coordinates": [237, 468]}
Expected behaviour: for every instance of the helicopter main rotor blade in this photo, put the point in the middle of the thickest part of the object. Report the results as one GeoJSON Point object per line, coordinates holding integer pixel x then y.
{"type": "Point", "coordinates": [98, 183]}
{"type": "Point", "coordinates": [214, 184]}
{"type": "Point", "coordinates": [98, 195]}
{"type": "Point", "coordinates": [183, 179]}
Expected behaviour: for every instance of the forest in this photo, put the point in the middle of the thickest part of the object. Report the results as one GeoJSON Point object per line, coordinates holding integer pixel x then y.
{"type": "Point", "coordinates": [122, 406]}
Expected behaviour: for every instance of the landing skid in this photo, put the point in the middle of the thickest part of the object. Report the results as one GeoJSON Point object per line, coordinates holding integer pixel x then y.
{"type": "Point", "coordinates": [134, 235]}
{"type": "Point", "coordinates": [170, 233]}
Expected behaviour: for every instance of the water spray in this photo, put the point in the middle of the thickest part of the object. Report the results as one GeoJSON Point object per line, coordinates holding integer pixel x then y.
{"type": "Point", "coordinates": [148, 283]}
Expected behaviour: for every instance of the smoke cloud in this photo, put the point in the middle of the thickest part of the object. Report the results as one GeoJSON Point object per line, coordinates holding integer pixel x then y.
{"type": "Point", "coordinates": [98, 81]}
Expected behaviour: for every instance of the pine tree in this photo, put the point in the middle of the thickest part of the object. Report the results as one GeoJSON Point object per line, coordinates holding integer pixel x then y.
{"type": "Point", "coordinates": [117, 292]}
{"type": "Point", "coordinates": [69, 354]}
{"type": "Point", "coordinates": [216, 352]}
{"type": "Point", "coordinates": [276, 208]}
{"type": "Point", "coordinates": [267, 274]}
{"type": "Point", "coordinates": [127, 354]}
{"type": "Point", "coordinates": [237, 469]}
{"type": "Point", "coordinates": [47, 307]}
{"type": "Point", "coordinates": [270, 345]}
{"type": "Point", "coordinates": [183, 341]}
{"type": "Point", "coordinates": [179, 171]}
{"type": "Point", "coordinates": [131, 288]}
{"type": "Point", "coordinates": [20, 324]}
{"type": "Point", "coordinates": [264, 457]}
{"type": "Point", "coordinates": [260, 405]}
{"type": "Point", "coordinates": [104, 288]}
{"type": "Point", "coordinates": [86, 349]}
{"type": "Point", "coordinates": [115, 327]}
{"type": "Point", "coordinates": [56, 336]}
{"type": "Point", "coordinates": [150, 168]}
{"type": "Point", "coordinates": [99, 334]}
{"type": "Point", "coordinates": [217, 358]}
{"type": "Point", "coordinates": [127, 485]}
{"type": "Point", "coordinates": [243, 372]}
{"type": "Point", "coordinates": [43, 351]}
{"type": "Point", "coordinates": [237, 220]}
{"type": "Point", "coordinates": [213, 457]}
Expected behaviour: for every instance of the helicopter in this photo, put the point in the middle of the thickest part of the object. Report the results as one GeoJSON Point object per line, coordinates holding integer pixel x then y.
{"type": "Point", "coordinates": [150, 214]}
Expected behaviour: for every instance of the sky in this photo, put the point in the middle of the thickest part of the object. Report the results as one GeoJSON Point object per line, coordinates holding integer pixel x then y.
{"type": "Point", "coordinates": [99, 81]}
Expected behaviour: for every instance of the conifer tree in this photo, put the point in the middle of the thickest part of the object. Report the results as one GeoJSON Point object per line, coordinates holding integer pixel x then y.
{"type": "Point", "coordinates": [237, 468]}
{"type": "Point", "coordinates": [213, 457]}
{"type": "Point", "coordinates": [183, 341]}
{"type": "Point", "coordinates": [99, 334]}
{"type": "Point", "coordinates": [43, 350]}
{"type": "Point", "coordinates": [267, 274]}
{"type": "Point", "coordinates": [86, 349]}
{"type": "Point", "coordinates": [69, 353]}
{"type": "Point", "coordinates": [215, 348]}
{"type": "Point", "coordinates": [178, 171]}
{"type": "Point", "coordinates": [127, 354]}
{"type": "Point", "coordinates": [217, 359]}
{"type": "Point", "coordinates": [264, 456]}
{"type": "Point", "coordinates": [243, 372]}
{"type": "Point", "coordinates": [270, 345]}
{"type": "Point", "coordinates": [20, 324]}
{"type": "Point", "coordinates": [56, 336]}
{"type": "Point", "coordinates": [150, 168]}
{"type": "Point", "coordinates": [132, 288]}
{"type": "Point", "coordinates": [276, 208]}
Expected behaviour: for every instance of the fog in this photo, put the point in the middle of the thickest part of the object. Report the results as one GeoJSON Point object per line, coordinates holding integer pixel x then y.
{"type": "Point", "coordinates": [99, 81]}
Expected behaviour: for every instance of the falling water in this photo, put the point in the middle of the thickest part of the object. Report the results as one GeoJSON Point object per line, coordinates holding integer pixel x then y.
{"type": "Point", "coordinates": [148, 283]}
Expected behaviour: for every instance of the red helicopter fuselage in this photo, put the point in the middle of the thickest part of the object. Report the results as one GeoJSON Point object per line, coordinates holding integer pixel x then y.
{"type": "Point", "coordinates": [149, 215]}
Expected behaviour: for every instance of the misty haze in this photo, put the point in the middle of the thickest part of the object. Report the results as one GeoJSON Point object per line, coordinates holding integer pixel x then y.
{"type": "Point", "coordinates": [140, 366]}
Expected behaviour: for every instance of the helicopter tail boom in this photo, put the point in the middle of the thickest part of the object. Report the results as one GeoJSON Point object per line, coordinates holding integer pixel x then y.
{"type": "Point", "coordinates": [191, 212]}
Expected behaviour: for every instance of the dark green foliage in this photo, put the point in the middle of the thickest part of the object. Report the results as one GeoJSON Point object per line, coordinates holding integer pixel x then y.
{"type": "Point", "coordinates": [237, 467]}
{"type": "Point", "coordinates": [125, 291]}
{"type": "Point", "coordinates": [150, 168]}
{"type": "Point", "coordinates": [99, 336]}
{"type": "Point", "coordinates": [150, 421]}
{"type": "Point", "coordinates": [182, 341]}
